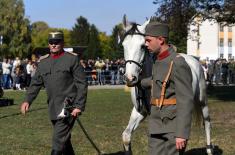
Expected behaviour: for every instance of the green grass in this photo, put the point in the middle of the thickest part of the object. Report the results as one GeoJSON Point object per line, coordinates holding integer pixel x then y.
{"type": "Point", "coordinates": [106, 116]}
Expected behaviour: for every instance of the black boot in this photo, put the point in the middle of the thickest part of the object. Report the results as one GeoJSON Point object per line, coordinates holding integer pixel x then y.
{"type": "Point", "coordinates": [68, 150]}
{"type": "Point", "coordinates": [54, 152]}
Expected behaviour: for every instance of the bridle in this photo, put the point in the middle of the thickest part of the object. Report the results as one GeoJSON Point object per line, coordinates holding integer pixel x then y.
{"type": "Point", "coordinates": [133, 31]}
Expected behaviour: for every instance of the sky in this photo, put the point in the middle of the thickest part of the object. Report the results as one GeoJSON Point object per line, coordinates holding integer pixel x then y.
{"type": "Point", "coordinates": [104, 14]}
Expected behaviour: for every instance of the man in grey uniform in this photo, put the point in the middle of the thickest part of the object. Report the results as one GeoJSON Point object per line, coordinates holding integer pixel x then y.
{"type": "Point", "coordinates": [172, 95]}
{"type": "Point", "coordinates": [63, 77]}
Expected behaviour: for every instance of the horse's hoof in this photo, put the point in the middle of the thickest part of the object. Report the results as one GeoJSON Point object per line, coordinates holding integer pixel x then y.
{"type": "Point", "coordinates": [127, 149]}
{"type": "Point", "coordinates": [209, 149]}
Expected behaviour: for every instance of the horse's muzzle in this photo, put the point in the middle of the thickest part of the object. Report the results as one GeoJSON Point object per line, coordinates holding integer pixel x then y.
{"type": "Point", "coordinates": [130, 81]}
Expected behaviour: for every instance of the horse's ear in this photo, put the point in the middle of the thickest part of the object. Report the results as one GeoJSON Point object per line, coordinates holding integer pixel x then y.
{"type": "Point", "coordinates": [125, 22]}
{"type": "Point", "coordinates": [142, 27]}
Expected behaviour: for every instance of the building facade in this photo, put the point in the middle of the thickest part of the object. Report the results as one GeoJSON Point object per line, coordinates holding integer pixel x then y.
{"type": "Point", "coordinates": [210, 40]}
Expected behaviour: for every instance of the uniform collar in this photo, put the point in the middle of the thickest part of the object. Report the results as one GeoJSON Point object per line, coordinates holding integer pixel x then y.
{"type": "Point", "coordinates": [57, 55]}
{"type": "Point", "coordinates": [163, 55]}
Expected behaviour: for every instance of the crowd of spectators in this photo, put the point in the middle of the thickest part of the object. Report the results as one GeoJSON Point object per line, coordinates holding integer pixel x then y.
{"type": "Point", "coordinates": [17, 74]}
{"type": "Point", "coordinates": [219, 72]}
{"type": "Point", "coordinates": [101, 72]}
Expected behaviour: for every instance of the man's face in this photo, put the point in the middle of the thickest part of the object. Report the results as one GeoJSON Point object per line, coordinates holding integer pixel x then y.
{"type": "Point", "coordinates": [56, 45]}
{"type": "Point", "coordinates": [153, 44]}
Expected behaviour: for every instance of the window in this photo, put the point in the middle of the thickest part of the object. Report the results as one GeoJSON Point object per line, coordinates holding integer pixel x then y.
{"type": "Point", "coordinates": [221, 42]}
{"type": "Point", "coordinates": [221, 27]}
{"type": "Point", "coordinates": [221, 55]}
{"type": "Point", "coordinates": [229, 42]}
{"type": "Point", "coordinates": [229, 28]}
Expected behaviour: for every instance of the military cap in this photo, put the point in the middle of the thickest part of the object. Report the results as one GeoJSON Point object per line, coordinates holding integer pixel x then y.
{"type": "Point", "coordinates": [57, 35]}
{"type": "Point", "coordinates": [157, 29]}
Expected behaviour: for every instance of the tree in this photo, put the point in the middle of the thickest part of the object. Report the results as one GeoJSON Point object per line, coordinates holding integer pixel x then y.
{"type": "Point", "coordinates": [14, 28]}
{"type": "Point", "coordinates": [80, 32]}
{"type": "Point", "coordinates": [39, 35]}
{"type": "Point", "coordinates": [177, 13]}
{"type": "Point", "coordinates": [117, 49]}
{"type": "Point", "coordinates": [105, 42]}
{"type": "Point", "coordinates": [223, 11]}
{"type": "Point", "coordinates": [93, 49]}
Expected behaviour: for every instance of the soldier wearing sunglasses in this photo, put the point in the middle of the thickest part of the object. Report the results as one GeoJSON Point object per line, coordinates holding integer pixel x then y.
{"type": "Point", "coordinates": [62, 76]}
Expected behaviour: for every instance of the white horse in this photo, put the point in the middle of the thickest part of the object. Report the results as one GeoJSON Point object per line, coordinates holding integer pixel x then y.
{"type": "Point", "coordinates": [133, 42]}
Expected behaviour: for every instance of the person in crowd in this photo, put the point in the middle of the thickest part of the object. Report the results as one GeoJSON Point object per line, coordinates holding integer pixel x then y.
{"type": "Point", "coordinates": [63, 77]}
{"type": "Point", "coordinates": [224, 71]}
{"type": "Point", "coordinates": [29, 70]}
{"type": "Point", "coordinates": [99, 65]}
{"type": "Point", "coordinates": [16, 63]}
{"type": "Point", "coordinates": [6, 71]}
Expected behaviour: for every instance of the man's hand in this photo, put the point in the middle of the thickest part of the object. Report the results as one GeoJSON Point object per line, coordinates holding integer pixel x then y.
{"type": "Point", "coordinates": [180, 143]}
{"type": "Point", "coordinates": [24, 107]}
{"type": "Point", "coordinates": [75, 112]}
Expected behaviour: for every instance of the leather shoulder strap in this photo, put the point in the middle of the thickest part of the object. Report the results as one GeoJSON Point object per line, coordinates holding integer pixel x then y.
{"type": "Point", "coordinates": [162, 96]}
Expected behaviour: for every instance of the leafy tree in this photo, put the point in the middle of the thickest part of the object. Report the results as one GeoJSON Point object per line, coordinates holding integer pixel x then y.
{"type": "Point", "coordinates": [14, 28]}
{"type": "Point", "coordinates": [80, 32]}
{"type": "Point", "coordinates": [223, 11]}
{"type": "Point", "coordinates": [117, 49]}
{"type": "Point", "coordinates": [105, 45]}
{"type": "Point", "coordinates": [177, 13]}
{"type": "Point", "coordinates": [39, 35]}
{"type": "Point", "coordinates": [93, 49]}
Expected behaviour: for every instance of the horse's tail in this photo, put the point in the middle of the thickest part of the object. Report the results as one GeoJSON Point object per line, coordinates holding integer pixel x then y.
{"type": "Point", "coordinates": [200, 99]}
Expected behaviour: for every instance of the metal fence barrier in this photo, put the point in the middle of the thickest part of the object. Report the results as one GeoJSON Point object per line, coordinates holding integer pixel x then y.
{"type": "Point", "coordinates": [113, 77]}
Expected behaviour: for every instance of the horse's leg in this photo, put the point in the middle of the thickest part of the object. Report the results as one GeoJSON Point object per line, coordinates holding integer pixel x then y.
{"type": "Point", "coordinates": [134, 122]}
{"type": "Point", "coordinates": [205, 114]}
{"type": "Point", "coordinates": [206, 118]}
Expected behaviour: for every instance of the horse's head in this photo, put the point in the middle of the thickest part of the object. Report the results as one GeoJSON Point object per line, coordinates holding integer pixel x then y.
{"type": "Point", "coordinates": [133, 43]}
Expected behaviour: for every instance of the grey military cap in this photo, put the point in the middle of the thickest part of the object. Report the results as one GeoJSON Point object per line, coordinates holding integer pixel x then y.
{"type": "Point", "coordinates": [157, 29]}
{"type": "Point", "coordinates": [57, 35]}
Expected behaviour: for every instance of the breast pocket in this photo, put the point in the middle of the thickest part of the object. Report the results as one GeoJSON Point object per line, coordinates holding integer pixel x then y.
{"type": "Point", "coordinates": [63, 73]}
{"type": "Point", "coordinates": [45, 73]}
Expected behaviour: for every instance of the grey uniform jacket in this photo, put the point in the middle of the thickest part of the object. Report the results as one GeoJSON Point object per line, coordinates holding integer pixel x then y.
{"type": "Point", "coordinates": [173, 118]}
{"type": "Point", "coordinates": [62, 77]}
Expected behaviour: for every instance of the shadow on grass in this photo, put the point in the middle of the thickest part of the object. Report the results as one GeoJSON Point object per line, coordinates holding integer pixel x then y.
{"type": "Point", "coordinates": [6, 102]}
{"type": "Point", "coordinates": [202, 151]}
{"type": "Point", "coordinates": [19, 113]}
{"type": "Point", "coordinates": [225, 93]}
{"type": "Point", "coordinates": [116, 153]}
{"type": "Point", "coordinates": [195, 151]}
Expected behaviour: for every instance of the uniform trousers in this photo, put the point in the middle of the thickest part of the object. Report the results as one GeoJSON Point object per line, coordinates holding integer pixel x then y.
{"type": "Point", "coordinates": [61, 140]}
{"type": "Point", "coordinates": [163, 144]}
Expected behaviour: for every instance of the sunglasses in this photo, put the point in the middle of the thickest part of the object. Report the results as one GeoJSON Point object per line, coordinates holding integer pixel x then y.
{"type": "Point", "coordinates": [55, 41]}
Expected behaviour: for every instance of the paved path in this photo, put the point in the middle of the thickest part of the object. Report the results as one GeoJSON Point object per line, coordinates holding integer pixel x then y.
{"type": "Point", "coordinates": [106, 87]}
{"type": "Point", "coordinates": [91, 87]}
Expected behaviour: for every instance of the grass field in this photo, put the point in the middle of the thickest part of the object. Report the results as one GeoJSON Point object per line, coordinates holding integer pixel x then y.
{"type": "Point", "coordinates": [106, 116]}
